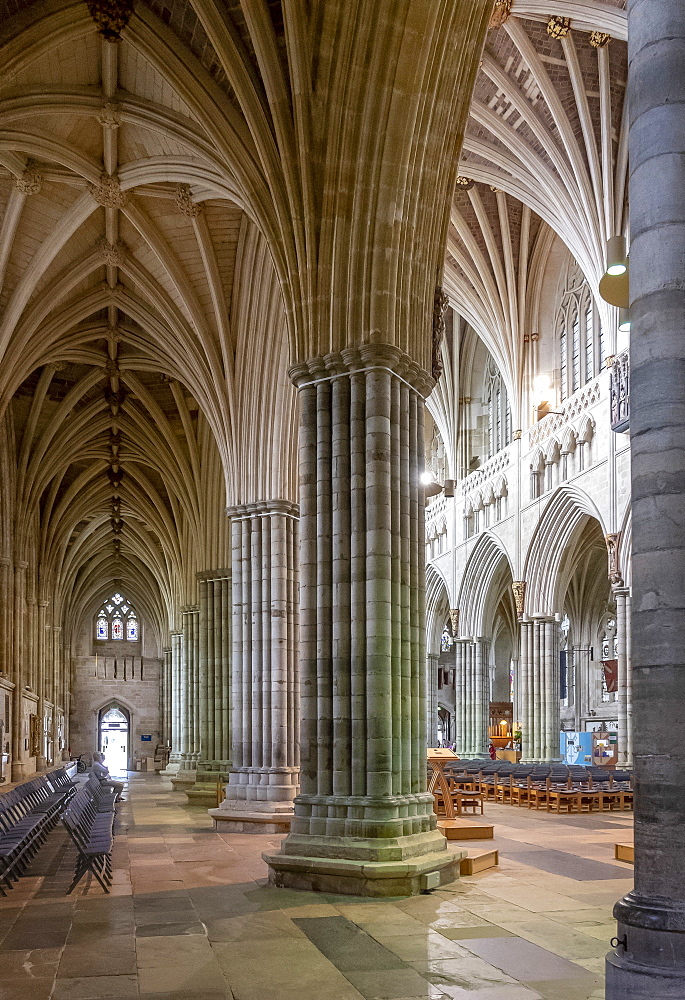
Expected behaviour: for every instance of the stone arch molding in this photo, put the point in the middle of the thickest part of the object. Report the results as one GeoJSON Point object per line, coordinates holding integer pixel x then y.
{"type": "Point", "coordinates": [566, 513]}
{"type": "Point", "coordinates": [476, 599]}
{"type": "Point", "coordinates": [437, 607]}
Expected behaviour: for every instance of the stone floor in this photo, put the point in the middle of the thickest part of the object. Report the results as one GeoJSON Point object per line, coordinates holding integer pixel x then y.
{"type": "Point", "coordinates": [191, 918]}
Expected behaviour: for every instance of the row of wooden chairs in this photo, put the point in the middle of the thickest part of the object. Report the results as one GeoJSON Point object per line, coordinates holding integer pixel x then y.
{"type": "Point", "coordinates": [27, 814]}
{"type": "Point", "coordinates": [89, 821]}
{"type": "Point", "coordinates": [555, 787]}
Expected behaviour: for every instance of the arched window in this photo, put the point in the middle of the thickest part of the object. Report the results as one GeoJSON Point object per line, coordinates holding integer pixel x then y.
{"type": "Point", "coordinates": [579, 334]}
{"type": "Point", "coordinates": [117, 619]}
{"type": "Point", "coordinates": [499, 411]}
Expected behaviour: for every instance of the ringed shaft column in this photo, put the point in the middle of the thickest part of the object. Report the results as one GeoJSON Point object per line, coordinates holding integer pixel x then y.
{"type": "Point", "coordinates": [432, 698]}
{"type": "Point", "coordinates": [263, 777]}
{"type": "Point", "coordinates": [649, 959]}
{"type": "Point", "coordinates": [364, 822]}
{"type": "Point", "coordinates": [551, 706]}
{"type": "Point", "coordinates": [42, 759]}
{"type": "Point", "coordinates": [460, 697]}
{"type": "Point", "coordinates": [629, 676]}
{"type": "Point", "coordinates": [190, 703]}
{"type": "Point", "coordinates": [621, 594]}
{"type": "Point", "coordinates": [211, 766]}
{"type": "Point", "coordinates": [469, 698]}
{"type": "Point", "coordinates": [481, 695]}
{"type": "Point", "coordinates": [166, 697]}
{"type": "Point", "coordinates": [527, 739]}
{"type": "Point", "coordinates": [177, 704]}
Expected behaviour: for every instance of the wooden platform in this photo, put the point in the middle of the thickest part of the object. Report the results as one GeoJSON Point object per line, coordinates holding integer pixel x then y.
{"type": "Point", "coordinates": [624, 852]}
{"type": "Point", "coordinates": [478, 861]}
{"type": "Point", "coordinates": [465, 829]}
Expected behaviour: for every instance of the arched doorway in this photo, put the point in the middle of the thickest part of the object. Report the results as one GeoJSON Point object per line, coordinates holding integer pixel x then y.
{"type": "Point", "coordinates": [113, 737]}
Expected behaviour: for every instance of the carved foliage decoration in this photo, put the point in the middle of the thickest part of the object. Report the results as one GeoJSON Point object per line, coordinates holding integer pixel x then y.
{"type": "Point", "coordinates": [500, 13]}
{"type": "Point", "coordinates": [519, 590]}
{"type": "Point", "coordinates": [111, 17]}
{"type": "Point", "coordinates": [558, 27]}
{"type": "Point", "coordinates": [454, 621]}
{"type": "Point", "coordinates": [30, 181]}
{"type": "Point", "coordinates": [615, 575]}
{"type": "Point", "coordinates": [107, 192]}
{"type": "Point", "coordinates": [440, 303]}
{"type": "Point", "coordinates": [185, 203]}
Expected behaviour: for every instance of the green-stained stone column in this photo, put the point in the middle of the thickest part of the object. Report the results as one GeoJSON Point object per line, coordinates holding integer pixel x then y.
{"type": "Point", "coordinates": [264, 773]}
{"type": "Point", "coordinates": [364, 822]}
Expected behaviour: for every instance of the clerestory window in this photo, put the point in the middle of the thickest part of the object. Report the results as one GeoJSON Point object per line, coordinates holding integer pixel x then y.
{"type": "Point", "coordinates": [117, 619]}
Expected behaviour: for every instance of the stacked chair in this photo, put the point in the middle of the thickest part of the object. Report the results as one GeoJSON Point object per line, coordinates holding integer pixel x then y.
{"type": "Point", "coordinates": [89, 821]}
{"type": "Point", "coordinates": [27, 814]}
{"type": "Point", "coordinates": [555, 787]}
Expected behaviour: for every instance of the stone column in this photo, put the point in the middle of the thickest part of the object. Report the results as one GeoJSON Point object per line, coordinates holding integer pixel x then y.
{"type": "Point", "coordinates": [214, 687]}
{"type": "Point", "coordinates": [41, 760]}
{"type": "Point", "coordinates": [190, 698]}
{"type": "Point", "coordinates": [177, 701]}
{"type": "Point", "coordinates": [364, 822]}
{"type": "Point", "coordinates": [551, 700]}
{"type": "Point", "coordinates": [481, 695]}
{"type": "Point", "coordinates": [629, 676]}
{"type": "Point", "coordinates": [166, 696]}
{"type": "Point", "coordinates": [460, 697]}
{"type": "Point", "coordinates": [649, 958]}
{"type": "Point", "coordinates": [540, 689]}
{"type": "Point", "coordinates": [18, 754]}
{"type": "Point", "coordinates": [263, 779]}
{"type": "Point", "coordinates": [621, 595]}
{"type": "Point", "coordinates": [526, 660]}
{"type": "Point", "coordinates": [432, 660]}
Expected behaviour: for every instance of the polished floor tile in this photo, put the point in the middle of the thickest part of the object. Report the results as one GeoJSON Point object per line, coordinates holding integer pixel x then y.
{"type": "Point", "coordinates": [191, 917]}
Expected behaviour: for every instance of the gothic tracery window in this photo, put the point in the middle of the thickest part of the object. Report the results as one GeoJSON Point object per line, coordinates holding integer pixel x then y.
{"type": "Point", "coordinates": [117, 619]}
{"type": "Point", "coordinates": [579, 335]}
{"type": "Point", "coordinates": [499, 412]}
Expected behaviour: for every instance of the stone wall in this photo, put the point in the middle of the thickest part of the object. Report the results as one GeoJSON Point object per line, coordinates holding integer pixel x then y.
{"type": "Point", "coordinates": [137, 687]}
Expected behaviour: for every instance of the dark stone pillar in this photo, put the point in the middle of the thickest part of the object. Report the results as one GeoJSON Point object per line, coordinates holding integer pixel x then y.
{"type": "Point", "coordinates": [649, 959]}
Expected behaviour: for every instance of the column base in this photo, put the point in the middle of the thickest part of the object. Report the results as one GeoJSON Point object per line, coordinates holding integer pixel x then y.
{"type": "Point", "coordinates": [242, 820]}
{"type": "Point", "coordinates": [364, 878]}
{"type": "Point", "coordinates": [649, 960]}
{"type": "Point", "coordinates": [379, 866]}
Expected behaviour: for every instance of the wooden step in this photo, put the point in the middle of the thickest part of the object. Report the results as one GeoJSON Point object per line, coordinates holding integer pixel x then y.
{"type": "Point", "coordinates": [478, 861]}
{"type": "Point", "coordinates": [465, 829]}
{"type": "Point", "coordinates": [624, 852]}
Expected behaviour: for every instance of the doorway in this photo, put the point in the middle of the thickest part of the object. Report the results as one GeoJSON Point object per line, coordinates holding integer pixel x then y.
{"type": "Point", "coordinates": [114, 738]}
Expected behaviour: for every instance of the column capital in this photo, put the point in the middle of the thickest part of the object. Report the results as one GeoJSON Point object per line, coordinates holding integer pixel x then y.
{"type": "Point", "coordinates": [190, 609]}
{"type": "Point", "coordinates": [263, 508]}
{"type": "Point", "coordinates": [208, 575]}
{"type": "Point", "coordinates": [367, 357]}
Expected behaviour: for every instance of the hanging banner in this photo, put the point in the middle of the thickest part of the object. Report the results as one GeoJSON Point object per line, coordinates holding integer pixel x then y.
{"type": "Point", "coordinates": [611, 674]}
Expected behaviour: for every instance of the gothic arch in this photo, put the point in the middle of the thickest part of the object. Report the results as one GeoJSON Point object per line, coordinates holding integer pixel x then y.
{"type": "Point", "coordinates": [566, 513]}
{"type": "Point", "coordinates": [482, 585]}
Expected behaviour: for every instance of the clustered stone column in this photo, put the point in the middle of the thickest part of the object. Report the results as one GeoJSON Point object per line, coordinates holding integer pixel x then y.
{"type": "Point", "coordinates": [432, 661]}
{"type": "Point", "coordinates": [263, 779]}
{"type": "Point", "coordinates": [649, 956]}
{"type": "Point", "coordinates": [539, 673]}
{"type": "Point", "coordinates": [176, 706]}
{"type": "Point", "coordinates": [190, 698]}
{"type": "Point", "coordinates": [622, 595]}
{"type": "Point", "coordinates": [214, 685]}
{"type": "Point", "coordinates": [471, 686]}
{"type": "Point", "coordinates": [364, 822]}
{"type": "Point", "coordinates": [167, 696]}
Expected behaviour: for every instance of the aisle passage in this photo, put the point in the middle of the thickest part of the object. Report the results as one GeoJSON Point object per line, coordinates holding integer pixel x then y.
{"type": "Point", "coordinates": [192, 918]}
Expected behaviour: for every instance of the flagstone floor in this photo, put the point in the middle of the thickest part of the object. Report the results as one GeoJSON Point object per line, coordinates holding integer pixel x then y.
{"type": "Point", "coordinates": [191, 917]}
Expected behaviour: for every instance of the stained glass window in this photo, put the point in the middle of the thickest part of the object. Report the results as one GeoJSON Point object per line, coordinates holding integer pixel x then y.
{"type": "Point", "coordinates": [446, 641]}
{"type": "Point", "coordinates": [117, 619]}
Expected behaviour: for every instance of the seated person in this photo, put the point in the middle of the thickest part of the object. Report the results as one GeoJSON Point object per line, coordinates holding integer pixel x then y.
{"type": "Point", "coordinates": [101, 772]}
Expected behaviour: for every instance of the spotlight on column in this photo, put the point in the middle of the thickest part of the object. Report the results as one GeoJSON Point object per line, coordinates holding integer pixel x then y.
{"type": "Point", "coordinates": [617, 262]}
{"type": "Point", "coordinates": [624, 320]}
{"type": "Point", "coordinates": [430, 487]}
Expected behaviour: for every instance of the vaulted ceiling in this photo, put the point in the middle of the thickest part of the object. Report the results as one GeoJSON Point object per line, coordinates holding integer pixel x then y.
{"type": "Point", "coordinates": [143, 269]}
